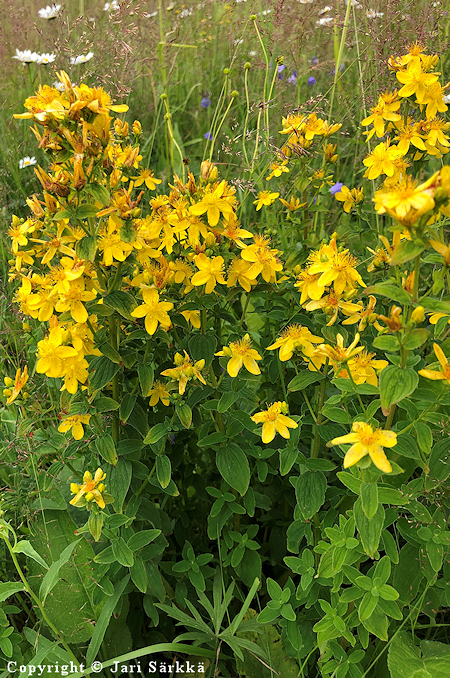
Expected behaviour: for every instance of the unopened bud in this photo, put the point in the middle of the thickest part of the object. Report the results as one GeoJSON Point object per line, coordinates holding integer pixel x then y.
{"type": "Point", "coordinates": [210, 240]}
{"type": "Point", "coordinates": [137, 128]}
{"type": "Point", "coordinates": [7, 392]}
{"type": "Point", "coordinates": [226, 71]}
{"type": "Point", "coordinates": [8, 381]}
{"type": "Point", "coordinates": [208, 171]}
{"type": "Point", "coordinates": [89, 496]}
{"type": "Point", "coordinates": [418, 315]}
{"type": "Point", "coordinates": [247, 65]}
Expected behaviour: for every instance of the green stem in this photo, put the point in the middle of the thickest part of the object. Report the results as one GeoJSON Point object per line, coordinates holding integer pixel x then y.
{"type": "Point", "coordinates": [340, 54]}
{"type": "Point", "coordinates": [113, 338]}
{"type": "Point", "coordinates": [315, 450]}
{"type": "Point", "coordinates": [415, 294]}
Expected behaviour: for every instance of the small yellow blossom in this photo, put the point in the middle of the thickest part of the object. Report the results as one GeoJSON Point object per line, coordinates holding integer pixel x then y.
{"type": "Point", "coordinates": [265, 198]}
{"type": "Point", "coordinates": [146, 176]}
{"type": "Point", "coordinates": [185, 370]}
{"type": "Point", "coordinates": [213, 203]}
{"type": "Point", "coordinates": [210, 272]}
{"type": "Point", "coordinates": [75, 422]}
{"type": "Point", "coordinates": [91, 489]}
{"type": "Point", "coordinates": [18, 384]}
{"type": "Point", "coordinates": [277, 169]}
{"type": "Point", "coordinates": [365, 441]}
{"type": "Point", "coordinates": [274, 420]}
{"type": "Point", "coordinates": [158, 393]}
{"type": "Point", "coordinates": [381, 160]}
{"type": "Point", "coordinates": [241, 353]}
{"type": "Point", "coordinates": [295, 338]}
{"type": "Point", "coordinates": [350, 197]}
{"type": "Point", "coordinates": [444, 372]}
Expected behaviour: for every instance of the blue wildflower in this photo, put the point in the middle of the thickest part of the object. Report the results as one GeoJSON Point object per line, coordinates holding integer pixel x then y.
{"type": "Point", "coordinates": [336, 188]}
{"type": "Point", "coordinates": [281, 68]}
{"type": "Point", "coordinates": [206, 102]}
{"type": "Point", "coordinates": [311, 81]}
{"type": "Point", "coordinates": [315, 61]}
{"type": "Point", "coordinates": [208, 136]}
{"type": "Point", "coordinates": [293, 78]}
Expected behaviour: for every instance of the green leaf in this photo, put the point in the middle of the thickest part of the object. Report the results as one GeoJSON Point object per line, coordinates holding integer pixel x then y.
{"type": "Point", "coordinates": [101, 310]}
{"type": "Point", "coordinates": [8, 588]}
{"type": "Point", "coordinates": [118, 481]}
{"type": "Point", "coordinates": [106, 448]}
{"type": "Point", "coordinates": [350, 481]}
{"type": "Point", "coordinates": [139, 574]}
{"type": "Point", "coordinates": [138, 420]}
{"type": "Point", "coordinates": [203, 347]}
{"type": "Point", "coordinates": [52, 576]}
{"type": "Point", "coordinates": [310, 491]}
{"type": "Point", "coordinates": [405, 251]}
{"type": "Point", "coordinates": [212, 439]}
{"type": "Point", "coordinates": [104, 619]}
{"type": "Point", "coordinates": [439, 465]}
{"type": "Point", "coordinates": [101, 372]}
{"type": "Point", "coordinates": [184, 414]}
{"type": "Point", "coordinates": [122, 302]}
{"type": "Point", "coordinates": [387, 342]}
{"type": "Point", "coordinates": [226, 401]}
{"type": "Point", "coordinates": [233, 466]}
{"type": "Point", "coordinates": [86, 248]}
{"type": "Point", "coordinates": [156, 433]}
{"type": "Point", "coordinates": [367, 606]}
{"type": "Point", "coordinates": [304, 379]}
{"type": "Point", "coordinates": [141, 539]}
{"type": "Point", "coordinates": [111, 353]}
{"type": "Point", "coordinates": [288, 457]}
{"type": "Point", "coordinates": [416, 338]}
{"type": "Point", "coordinates": [369, 499]}
{"type": "Point", "coordinates": [86, 211]}
{"type": "Point", "coordinates": [404, 660]}
{"type": "Point", "coordinates": [407, 447]}
{"type": "Point", "coordinates": [396, 383]}
{"type": "Point", "coordinates": [391, 291]}
{"type": "Point", "coordinates": [163, 470]}
{"type": "Point", "coordinates": [105, 556]}
{"type": "Point", "coordinates": [126, 407]}
{"type": "Point", "coordinates": [336, 414]}
{"type": "Point", "coordinates": [435, 305]}
{"type": "Point", "coordinates": [25, 547]}
{"type": "Point", "coordinates": [99, 193]}
{"type": "Point", "coordinates": [424, 436]}
{"type": "Point", "coordinates": [369, 529]}
{"type": "Point", "coordinates": [390, 546]}
{"type": "Point", "coordinates": [377, 624]}
{"type": "Point", "coordinates": [104, 404]}
{"type": "Point", "coordinates": [146, 375]}
{"type": "Point", "coordinates": [123, 553]}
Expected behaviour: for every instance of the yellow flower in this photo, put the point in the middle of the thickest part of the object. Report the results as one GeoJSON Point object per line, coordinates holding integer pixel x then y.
{"type": "Point", "coordinates": [444, 372]}
{"type": "Point", "coordinates": [363, 368]}
{"type": "Point", "coordinates": [293, 204]}
{"type": "Point", "coordinates": [295, 338]}
{"type": "Point", "coordinates": [309, 287]}
{"type": "Point", "coordinates": [159, 393]}
{"type": "Point", "coordinates": [213, 204]}
{"type": "Point", "coordinates": [241, 353]}
{"type": "Point", "coordinates": [185, 370]}
{"type": "Point", "coordinates": [192, 317]}
{"type": "Point", "coordinates": [238, 273]}
{"type": "Point", "coordinates": [91, 489]}
{"type": "Point", "coordinates": [385, 110]}
{"type": "Point", "coordinates": [155, 311]}
{"type": "Point", "coordinates": [274, 421]}
{"type": "Point", "coordinates": [331, 304]}
{"type": "Point", "coordinates": [19, 382]}
{"type": "Point", "coordinates": [366, 440]}
{"type": "Point", "coordinates": [73, 300]}
{"type": "Point", "coordinates": [263, 258]}
{"type": "Point", "coordinates": [52, 355]}
{"type": "Point", "coordinates": [350, 197]}
{"type": "Point", "coordinates": [146, 176]}
{"type": "Point", "coordinates": [415, 81]}
{"type": "Point", "coordinates": [340, 354]}
{"type": "Point", "coordinates": [75, 422]}
{"type": "Point", "coordinates": [337, 268]}
{"type": "Point", "coordinates": [265, 198]}
{"type": "Point", "coordinates": [210, 272]}
{"type": "Point", "coordinates": [443, 249]}
{"type": "Point", "coordinates": [75, 371]}
{"type": "Point", "coordinates": [407, 135]}
{"type": "Point", "coordinates": [406, 201]}
{"type": "Point", "coordinates": [381, 160]}
{"type": "Point", "coordinates": [277, 169]}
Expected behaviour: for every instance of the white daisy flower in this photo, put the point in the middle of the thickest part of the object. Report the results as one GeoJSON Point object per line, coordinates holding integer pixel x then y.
{"type": "Point", "coordinates": [111, 6]}
{"type": "Point", "coordinates": [81, 59]}
{"type": "Point", "coordinates": [58, 85]}
{"type": "Point", "coordinates": [325, 21]}
{"type": "Point", "coordinates": [184, 13]}
{"type": "Point", "coordinates": [252, 53]}
{"type": "Point", "coordinates": [49, 12]}
{"type": "Point", "coordinates": [238, 41]}
{"type": "Point", "coordinates": [27, 161]}
{"type": "Point", "coordinates": [326, 9]}
{"type": "Point", "coordinates": [446, 98]}
{"type": "Point", "coordinates": [372, 14]}
{"type": "Point", "coordinates": [26, 56]}
{"type": "Point", "coordinates": [265, 12]}
{"type": "Point", "coordinates": [45, 58]}
{"type": "Point", "coordinates": [150, 15]}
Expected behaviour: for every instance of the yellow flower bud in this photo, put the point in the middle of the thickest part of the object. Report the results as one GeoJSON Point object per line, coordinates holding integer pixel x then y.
{"type": "Point", "coordinates": [208, 171]}
{"type": "Point", "coordinates": [137, 128]}
{"type": "Point", "coordinates": [87, 476]}
{"type": "Point", "coordinates": [8, 381]}
{"type": "Point", "coordinates": [7, 392]}
{"type": "Point", "coordinates": [418, 315]}
{"type": "Point", "coordinates": [26, 327]}
{"type": "Point", "coordinates": [210, 240]}
{"type": "Point", "coordinates": [89, 496]}
{"type": "Point", "coordinates": [74, 488]}
{"type": "Point", "coordinates": [284, 408]}
{"type": "Point", "coordinates": [25, 395]}
{"type": "Point", "coordinates": [178, 359]}
{"type": "Point", "coordinates": [101, 487]}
